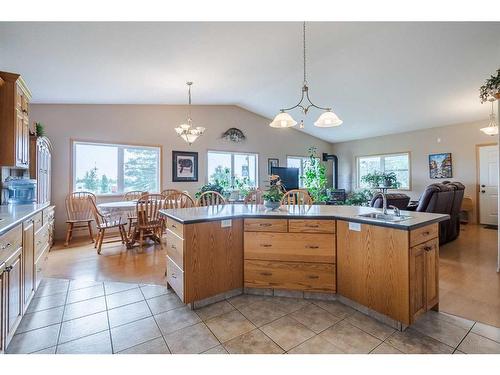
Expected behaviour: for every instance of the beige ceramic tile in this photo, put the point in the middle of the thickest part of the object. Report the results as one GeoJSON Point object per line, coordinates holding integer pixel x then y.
{"type": "Point", "coordinates": [87, 325]}
{"type": "Point", "coordinates": [85, 293]}
{"type": "Point", "coordinates": [51, 289]}
{"type": "Point", "coordinates": [213, 310]}
{"type": "Point", "coordinates": [229, 325]}
{"type": "Point", "coordinates": [151, 291]}
{"type": "Point", "coordinates": [164, 303]}
{"type": "Point", "coordinates": [80, 284]}
{"type": "Point", "coordinates": [246, 299]}
{"type": "Point", "coordinates": [263, 312]}
{"type": "Point", "coordinates": [335, 308]}
{"type": "Point", "coordinates": [350, 339]}
{"type": "Point", "coordinates": [51, 350]}
{"type": "Point", "coordinates": [128, 313]}
{"type": "Point", "coordinates": [155, 346]}
{"type": "Point", "coordinates": [476, 344]}
{"type": "Point", "coordinates": [316, 345]}
{"type": "Point", "coordinates": [314, 318]}
{"type": "Point", "coordinates": [135, 333]}
{"type": "Point", "coordinates": [176, 319]}
{"type": "Point", "coordinates": [287, 332]}
{"type": "Point", "coordinates": [99, 343]}
{"type": "Point", "coordinates": [453, 319]}
{"type": "Point", "coordinates": [48, 302]}
{"type": "Point", "coordinates": [440, 328]}
{"type": "Point", "coordinates": [191, 340]}
{"type": "Point", "coordinates": [414, 342]}
{"type": "Point", "coordinates": [114, 287]}
{"type": "Point", "coordinates": [84, 308]}
{"type": "Point", "coordinates": [385, 348]}
{"type": "Point", "coordinates": [35, 340]}
{"type": "Point", "coordinates": [493, 333]}
{"type": "Point", "coordinates": [370, 325]}
{"type": "Point", "coordinates": [290, 304]}
{"type": "Point", "coordinates": [219, 349]}
{"type": "Point", "coordinates": [40, 319]}
{"type": "Point", "coordinates": [124, 298]}
{"type": "Point", "coordinates": [253, 342]}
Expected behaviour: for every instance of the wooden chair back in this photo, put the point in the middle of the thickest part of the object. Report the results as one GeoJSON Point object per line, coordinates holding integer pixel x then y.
{"type": "Point", "coordinates": [133, 195]}
{"type": "Point", "coordinates": [254, 197]}
{"type": "Point", "coordinates": [210, 198]}
{"type": "Point", "coordinates": [179, 200]}
{"type": "Point", "coordinates": [148, 210]}
{"type": "Point", "coordinates": [169, 191]}
{"type": "Point", "coordinates": [98, 216]}
{"type": "Point", "coordinates": [296, 197]}
{"type": "Point", "coordinates": [78, 207]}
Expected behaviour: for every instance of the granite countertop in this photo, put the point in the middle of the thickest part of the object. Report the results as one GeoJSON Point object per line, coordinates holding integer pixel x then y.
{"type": "Point", "coordinates": [347, 213]}
{"type": "Point", "coordinates": [12, 215]}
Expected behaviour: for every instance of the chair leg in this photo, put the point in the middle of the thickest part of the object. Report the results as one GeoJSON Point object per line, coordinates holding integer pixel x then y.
{"type": "Point", "coordinates": [89, 224]}
{"type": "Point", "coordinates": [97, 239]}
{"type": "Point", "coordinates": [69, 230]}
{"type": "Point", "coordinates": [101, 238]}
{"type": "Point", "coordinates": [122, 233]}
{"type": "Point", "coordinates": [141, 238]}
{"type": "Point", "coordinates": [130, 220]}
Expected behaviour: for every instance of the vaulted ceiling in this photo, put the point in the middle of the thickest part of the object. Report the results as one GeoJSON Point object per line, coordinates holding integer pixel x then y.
{"type": "Point", "coordinates": [380, 78]}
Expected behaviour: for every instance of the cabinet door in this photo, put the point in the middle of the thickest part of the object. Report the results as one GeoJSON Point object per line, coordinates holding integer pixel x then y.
{"type": "Point", "coordinates": [19, 138]}
{"type": "Point", "coordinates": [431, 273]}
{"type": "Point", "coordinates": [28, 260]}
{"type": "Point", "coordinates": [26, 140]}
{"type": "Point", "coordinates": [417, 282]}
{"type": "Point", "coordinates": [2, 307]}
{"type": "Point", "coordinates": [13, 294]}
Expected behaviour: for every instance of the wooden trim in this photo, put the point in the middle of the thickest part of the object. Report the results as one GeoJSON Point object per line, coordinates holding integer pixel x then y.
{"type": "Point", "coordinates": [477, 205]}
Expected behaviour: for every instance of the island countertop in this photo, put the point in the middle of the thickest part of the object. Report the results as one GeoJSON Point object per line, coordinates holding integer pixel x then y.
{"type": "Point", "coordinates": [12, 215]}
{"type": "Point", "coordinates": [346, 213]}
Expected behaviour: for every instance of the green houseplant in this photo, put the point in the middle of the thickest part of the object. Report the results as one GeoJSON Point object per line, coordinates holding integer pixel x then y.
{"type": "Point", "coordinates": [272, 197]}
{"type": "Point", "coordinates": [359, 198]}
{"type": "Point", "coordinates": [314, 177]}
{"type": "Point", "coordinates": [491, 88]}
{"type": "Point", "coordinates": [381, 179]}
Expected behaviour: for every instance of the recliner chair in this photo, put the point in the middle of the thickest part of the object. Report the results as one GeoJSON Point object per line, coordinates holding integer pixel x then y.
{"type": "Point", "coordinates": [454, 227]}
{"type": "Point", "coordinates": [393, 199]}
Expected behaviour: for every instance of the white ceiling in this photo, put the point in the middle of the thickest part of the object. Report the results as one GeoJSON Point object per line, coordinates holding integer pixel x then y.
{"type": "Point", "coordinates": [380, 78]}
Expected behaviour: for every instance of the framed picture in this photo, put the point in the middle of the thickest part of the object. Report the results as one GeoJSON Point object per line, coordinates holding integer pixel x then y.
{"type": "Point", "coordinates": [272, 163]}
{"type": "Point", "coordinates": [440, 165]}
{"type": "Point", "coordinates": [184, 166]}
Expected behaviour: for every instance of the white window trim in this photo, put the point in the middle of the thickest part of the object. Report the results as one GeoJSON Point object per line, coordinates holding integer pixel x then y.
{"type": "Point", "coordinates": [74, 142]}
{"type": "Point", "coordinates": [256, 154]}
{"type": "Point", "coordinates": [358, 177]}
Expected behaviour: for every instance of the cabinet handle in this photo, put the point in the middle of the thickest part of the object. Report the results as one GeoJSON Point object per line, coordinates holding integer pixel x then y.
{"type": "Point", "coordinates": [173, 226]}
{"type": "Point", "coordinates": [312, 226]}
{"type": "Point", "coordinates": [426, 233]}
{"type": "Point", "coordinates": [7, 245]}
{"type": "Point", "coordinates": [312, 247]}
{"type": "Point", "coordinates": [265, 224]}
{"type": "Point", "coordinates": [8, 269]}
{"type": "Point", "coordinates": [266, 273]}
{"type": "Point", "coordinates": [313, 277]}
{"type": "Point", "coordinates": [173, 246]}
{"type": "Point", "coordinates": [265, 245]}
{"type": "Point", "coordinates": [427, 248]}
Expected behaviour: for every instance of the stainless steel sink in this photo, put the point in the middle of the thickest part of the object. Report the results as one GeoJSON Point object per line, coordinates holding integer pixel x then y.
{"type": "Point", "coordinates": [384, 217]}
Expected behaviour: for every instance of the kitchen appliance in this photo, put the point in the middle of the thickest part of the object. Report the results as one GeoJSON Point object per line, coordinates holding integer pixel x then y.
{"type": "Point", "coordinates": [21, 191]}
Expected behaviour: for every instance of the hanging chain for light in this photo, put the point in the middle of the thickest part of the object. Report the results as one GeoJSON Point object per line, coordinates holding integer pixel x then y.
{"type": "Point", "coordinates": [187, 131]}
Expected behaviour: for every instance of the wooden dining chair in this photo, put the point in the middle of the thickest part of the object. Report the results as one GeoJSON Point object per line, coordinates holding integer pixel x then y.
{"type": "Point", "coordinates": [169, 191]}
{"type": "Point", "coordinates": [254, 197]}
{"type": "Point", "coordinates": [179, 200]}
{"type": "Point", "coordinates": [149, 222]}
{"type": "Point", "coordinates": [103, 223]}
{"type": "Point", "coordinates": [296, 197]}
{"type": "Point", "coordinates": [79, 214]}
{"type": "Point", "coordinates": [132, 196]}
{"type": "Point", "coordinates": [210, 198]}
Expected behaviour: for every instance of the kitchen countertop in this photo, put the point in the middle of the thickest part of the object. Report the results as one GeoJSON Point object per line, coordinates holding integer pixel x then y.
{"type": "Point", "coordinates": [12, 215]}
{"type": "Point", "coordinates": [346, 213]}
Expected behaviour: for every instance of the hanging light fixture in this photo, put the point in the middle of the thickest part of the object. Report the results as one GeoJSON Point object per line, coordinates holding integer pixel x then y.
{"type": "Point", "coordinates": [326, 120]}
{"type": "Point", "coordinates": [187, 131]}
{"type": "Point", "coordinates": [492, 128]}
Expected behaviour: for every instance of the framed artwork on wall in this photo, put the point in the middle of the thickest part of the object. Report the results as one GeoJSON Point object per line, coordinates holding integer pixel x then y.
{"type": "Point", "coordinates": [271, 162]}
{"type": "Point", "coordinates": [440, 165]}
{"type": "Point", "coordinates": [184, 166]}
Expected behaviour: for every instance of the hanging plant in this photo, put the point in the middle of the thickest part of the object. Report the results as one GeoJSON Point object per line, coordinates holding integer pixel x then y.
{"type": "Point", "coordinates": [233, 135]}
{"type": "Point", "coordinates": [491, 88]}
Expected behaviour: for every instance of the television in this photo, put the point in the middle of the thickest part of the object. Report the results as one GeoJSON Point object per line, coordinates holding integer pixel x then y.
{"type": "Point", "coordinates": [289, 176]}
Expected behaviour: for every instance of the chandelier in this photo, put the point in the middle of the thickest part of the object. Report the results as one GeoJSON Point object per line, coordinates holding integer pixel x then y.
{"type": "Point", "coordinates": [492, 128]}
{"type": "Point", "coordinates": [187, 131]}
{"type": "Point", "coordinates": [326, 120]}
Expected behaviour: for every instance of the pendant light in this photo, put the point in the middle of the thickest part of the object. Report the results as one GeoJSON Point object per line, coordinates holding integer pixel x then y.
{"type": "Point", "coordinates": [492, 128]}
{"type": "Point", "coordinates": [326, 120]}
{"type": "Point", "coordinates": [186, 131]}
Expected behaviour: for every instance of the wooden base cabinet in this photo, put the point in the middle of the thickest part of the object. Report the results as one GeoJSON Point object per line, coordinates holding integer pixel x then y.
{"type": "Point", "coordinates": [13, 294]}
{"type": "Point", "coordinates": [28, 250]}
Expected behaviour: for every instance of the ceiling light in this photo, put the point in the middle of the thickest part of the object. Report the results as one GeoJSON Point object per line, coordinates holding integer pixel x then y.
{"type": "Point", "coordinates": [492, 128]}
{"type": "Point", "coordinates": [187, 131]}
{"type": "Point", "coordinates": [326, 120]}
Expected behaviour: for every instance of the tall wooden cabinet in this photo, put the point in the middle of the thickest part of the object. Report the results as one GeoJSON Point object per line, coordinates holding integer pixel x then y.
{"type": "Point", "coordinates": [40, 166]}
{"type": "Point", "coordinates": [14, 121]}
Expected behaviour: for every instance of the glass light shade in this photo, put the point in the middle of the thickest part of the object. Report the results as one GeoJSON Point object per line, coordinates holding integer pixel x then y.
{"type": "Point", "coordinates": [492, 128]}
{"type": "Point", "coordinates": [327, 120]}
{"type": "Point", "coordinates": [283, 120]}
{"type": "Point", "coordinates": [185, 126]}
{"type": "Point", "coordinates": [179, 130]}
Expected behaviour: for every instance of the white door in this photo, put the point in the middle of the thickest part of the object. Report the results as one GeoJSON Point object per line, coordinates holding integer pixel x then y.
{"type": "Point", "coordinates": [488, 185]}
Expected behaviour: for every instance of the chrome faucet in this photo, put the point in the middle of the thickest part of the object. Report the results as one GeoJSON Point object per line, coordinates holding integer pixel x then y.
{"type": "Point", "coordinates": [384, 203]}
{"type": "Point", "coordinates": [397, 211]}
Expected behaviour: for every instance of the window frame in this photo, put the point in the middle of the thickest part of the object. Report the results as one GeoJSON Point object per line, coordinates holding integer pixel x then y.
{"type": "Point", "coordinates": [257, 166]}
{"type": "Point", "coordinates": [72, 151]}
{"type": "Point", "coordinates": [302, 159]}
{"type": "Point", "coordinates": [383, 155]}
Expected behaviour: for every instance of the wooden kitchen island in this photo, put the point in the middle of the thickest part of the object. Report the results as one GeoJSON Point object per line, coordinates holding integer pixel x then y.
{"type": "Point", "coordinates": [316, 251]}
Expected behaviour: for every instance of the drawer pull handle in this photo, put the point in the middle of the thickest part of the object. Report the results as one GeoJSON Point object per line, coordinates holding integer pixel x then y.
{"type": "Point", "coordinates": [8, 269]}
{"type": "Point", "coordinates": [173, 246]}
{"type": "Point", "coordinates": [265, 224]}
{"type": "Point", "coordinates": [265, 245]}
{"type": "Point", "coordinates": [313, 277]}
{"type": "Point", "coordinates": [266, 273]}
{"type": "Point", "coordinates": [312, 247]}
{"type": "Point", "coordinates": [312, 226]}
{"type": "Point", "coordinates": [426, 233]}
{"type": "Point", "coordinates": [427, 248]}
{"type": "Point", "coordinates": [173, 226]}
{"type": "Point", "coordinates": [7, 245]}
{"type": "Point", "coordinates": [173, 276]}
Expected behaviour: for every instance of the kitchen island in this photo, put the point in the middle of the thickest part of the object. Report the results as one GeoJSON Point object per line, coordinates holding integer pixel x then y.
{"type": "Point", "coordinates": [318, 251]}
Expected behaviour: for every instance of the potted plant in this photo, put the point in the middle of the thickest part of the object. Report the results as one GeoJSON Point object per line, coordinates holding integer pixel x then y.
{"type": "Point", "coordinates": [210, 187]}
{"type": "Point", "coordinates": [381, 179]}
{"type": "Point", "coordinates": [359, 198]}
{"type": "Point", "coordinates": [272, 197]}
{"type": "Point", "coordinates": [314, 177]}
{"type": "Point", "coordinates": [491, 88]}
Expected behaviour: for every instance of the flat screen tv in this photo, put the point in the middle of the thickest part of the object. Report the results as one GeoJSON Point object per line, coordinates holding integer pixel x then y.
{"type": "Point", "coordinates": [289, 176]}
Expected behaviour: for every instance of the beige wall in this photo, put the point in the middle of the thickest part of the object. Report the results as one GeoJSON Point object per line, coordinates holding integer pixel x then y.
{"type": "Point", "coordinates": [154, 125]}
{"type": "Point", "coordinates": [460, 140]}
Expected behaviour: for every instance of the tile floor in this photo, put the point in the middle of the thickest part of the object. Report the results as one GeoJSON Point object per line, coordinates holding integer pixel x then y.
{"type": "Point", "coordinates": [70, 316]}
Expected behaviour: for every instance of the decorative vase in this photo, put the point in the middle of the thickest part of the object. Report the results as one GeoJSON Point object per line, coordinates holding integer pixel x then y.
{"type": "Point", "coordinates": [387, 183]}
{"type": "Point", "coordinates": [272, 205]}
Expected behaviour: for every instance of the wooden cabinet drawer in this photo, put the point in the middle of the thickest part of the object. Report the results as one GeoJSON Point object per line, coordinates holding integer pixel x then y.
{"type": "Point", "coordinates": [266, 225]}
{"type": "Point", "coordinates": [305, 247]}
{"type": "Point", "coordinates": [41, 240]}
{"type": "Point", "coordinates": [10, 242]}
{"type": "Point", "coordinates": [311, 226]}
{"type": "Point", "coordinates": [37, 221]}
{"type": "Point", "coordinates": [175, 227]}
{"type": "Point", "coordinates": [48, 214]}
{"type": "Point", "coordinates": [290, 275]}
{"type": "Point", "coordinates": [423, 234]}
{"type": "Point", "coordinates": [175, 278]}
{"type": "Point", "coordinates": [40, 266]}
{"type": "Point", "coordinates": [175, 248]}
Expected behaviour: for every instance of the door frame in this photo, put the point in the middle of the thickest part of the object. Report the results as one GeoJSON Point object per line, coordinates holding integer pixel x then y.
{"type": "Point", "coordinates": [478, 166]}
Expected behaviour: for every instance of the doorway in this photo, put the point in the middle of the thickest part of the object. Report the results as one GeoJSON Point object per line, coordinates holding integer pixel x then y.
{"type": "Point", "coordinates": [488, 184]}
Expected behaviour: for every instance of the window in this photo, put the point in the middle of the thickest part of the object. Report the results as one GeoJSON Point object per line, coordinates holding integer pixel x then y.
{"type": "Point", "coordinates": [397, 163]}
{"type": "Point", "coordinates": [115, 169]}
{"type": "Point", "coordinates": [233, 167]}
{"type": "Point", "coordinates": [297, 162]}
